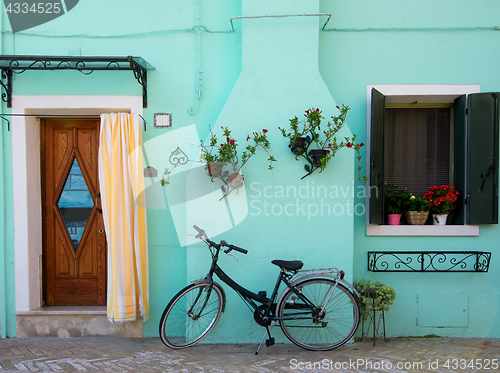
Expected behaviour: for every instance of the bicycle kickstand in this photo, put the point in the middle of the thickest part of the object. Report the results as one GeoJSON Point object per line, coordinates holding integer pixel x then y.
{"type": "Point", "coordinates": [270, 341]}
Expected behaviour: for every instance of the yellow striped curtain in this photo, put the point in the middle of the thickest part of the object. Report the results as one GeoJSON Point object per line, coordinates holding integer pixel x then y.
{"type": "Point", "coordinates": [121, 182]}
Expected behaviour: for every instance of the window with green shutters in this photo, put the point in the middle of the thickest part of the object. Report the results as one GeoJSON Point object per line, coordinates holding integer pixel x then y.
{"type": "Point", "coordinates": [420, 143]}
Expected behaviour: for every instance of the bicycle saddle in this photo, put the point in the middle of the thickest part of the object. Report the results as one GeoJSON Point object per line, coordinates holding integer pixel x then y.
{"type": "Point", "coordinates": [291, 265]}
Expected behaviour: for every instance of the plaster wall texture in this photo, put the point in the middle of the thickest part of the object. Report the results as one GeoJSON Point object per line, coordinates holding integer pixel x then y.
{"type": "Point", "coordinates": [260, 76]}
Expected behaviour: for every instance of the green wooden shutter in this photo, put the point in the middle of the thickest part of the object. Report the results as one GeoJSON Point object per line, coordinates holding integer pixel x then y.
{"type": "Point", "coordinates": [482, 159]}
{"type": "Point", "coordinates": [377, 158]}
{"type": "Point", "coordinates": [459, 156]}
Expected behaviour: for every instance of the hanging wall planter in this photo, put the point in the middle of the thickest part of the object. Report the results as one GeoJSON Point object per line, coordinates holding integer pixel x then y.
{"type": "Point", "coordinates": [235, 180]}
{"type": "Point", "coordinates": [214, 169]}
{"type": "Point", "coordinates": [317, 155]}
{"type": "Point", "coordinates": [217, 155]}
{"type": "Point", "coordinates": [303, 135]}
{"type": "Point", "coordinates": [299, 146]}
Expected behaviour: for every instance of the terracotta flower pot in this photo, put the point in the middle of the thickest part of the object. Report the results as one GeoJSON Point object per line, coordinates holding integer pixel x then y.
{"type": "Point", "coordinates": [236, 180]}
{"type": "Point", "coordinates": [214, 168]}
{"type": "Point", "coordinates": [393, 219]}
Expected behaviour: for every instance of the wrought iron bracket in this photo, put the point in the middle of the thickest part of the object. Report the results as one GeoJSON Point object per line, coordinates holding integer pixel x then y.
{"type": "Point", "coordinates": [429, 261]}
{"type": "Point", "coordinates": [86, 65]}
{"type": "Point", "coordinates": [6, 82]}
{"type": "Point", "coordinates": [310, 168]}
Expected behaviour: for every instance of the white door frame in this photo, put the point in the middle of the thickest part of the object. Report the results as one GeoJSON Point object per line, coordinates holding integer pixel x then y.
{"type": "Point", "coordinates": [27, 181]}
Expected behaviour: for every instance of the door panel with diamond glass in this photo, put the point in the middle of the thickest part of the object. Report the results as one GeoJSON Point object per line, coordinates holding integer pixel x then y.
{"type": "Point", "coordinates": [74, 252]}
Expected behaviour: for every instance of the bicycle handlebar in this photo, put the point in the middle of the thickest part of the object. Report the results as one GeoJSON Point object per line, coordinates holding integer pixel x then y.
{"type": "Point", "coordinates": [233, 247]}
{"type": "Point", "coordinates": [202, 235]}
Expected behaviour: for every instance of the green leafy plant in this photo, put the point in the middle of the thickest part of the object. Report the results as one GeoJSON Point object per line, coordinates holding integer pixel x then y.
{"type": "Point", "coordinates": [396, 200]}
{"type": "Point", "coordinates": [417, 204]}
{"type": "Point", "coordinates": [227, 150]}
{"type": "Point", "coordinates": [297, 130]}
{"type": "Point", "coordinates": [324, 135]}
{"type": "Point", "coordinates": [374, 296]}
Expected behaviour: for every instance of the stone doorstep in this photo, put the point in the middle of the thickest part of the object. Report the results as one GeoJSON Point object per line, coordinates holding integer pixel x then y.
{"type": "Point", "coordinates": [69, 321]}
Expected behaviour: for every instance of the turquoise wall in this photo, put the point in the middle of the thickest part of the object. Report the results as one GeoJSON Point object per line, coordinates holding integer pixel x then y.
{"type": "Point", "coordinates": [395, 42]}
{"type": "Point", "coordinates": [7, 296]}
{"type": "Point", "coordinates": [259, 76]}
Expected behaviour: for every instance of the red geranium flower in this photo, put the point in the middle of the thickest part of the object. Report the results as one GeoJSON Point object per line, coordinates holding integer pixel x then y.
{"type": "Point", "coordinates": [265, 131]}
{"type": "Point", "coordinates": [349, 145]}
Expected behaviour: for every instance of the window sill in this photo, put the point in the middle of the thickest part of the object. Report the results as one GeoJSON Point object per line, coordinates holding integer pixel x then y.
{"type": "Point", "coordinates": [422, 230]}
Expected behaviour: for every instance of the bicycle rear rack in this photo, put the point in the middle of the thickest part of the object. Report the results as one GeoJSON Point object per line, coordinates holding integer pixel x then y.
{"type": "Point", "coordinates": [317, 272]}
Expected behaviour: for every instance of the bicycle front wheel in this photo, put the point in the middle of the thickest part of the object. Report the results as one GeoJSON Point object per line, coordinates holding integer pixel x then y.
{"type": "Point", "coordinates": [329, 324]}
{"type": "Point", "coordinates": [190, 315]}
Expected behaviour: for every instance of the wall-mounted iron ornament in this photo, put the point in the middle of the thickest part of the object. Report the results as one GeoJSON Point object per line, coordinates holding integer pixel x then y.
{"type": "Point", "coordinates": [429, 261]}
{"type": "Point", "coordinates": [301, 149]}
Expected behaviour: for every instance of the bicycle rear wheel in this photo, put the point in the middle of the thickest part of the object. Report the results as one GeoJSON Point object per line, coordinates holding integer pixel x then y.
{"type": "Point", "coordinates": [314, 329]}
{"type": "Point", "coordinates": [190, 315]}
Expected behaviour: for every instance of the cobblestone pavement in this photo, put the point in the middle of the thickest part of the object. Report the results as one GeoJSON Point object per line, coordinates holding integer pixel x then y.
{"type": "Point", "coordinates": [150, 355]}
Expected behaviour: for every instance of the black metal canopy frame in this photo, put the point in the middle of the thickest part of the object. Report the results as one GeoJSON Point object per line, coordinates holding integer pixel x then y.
{"type": "Point", "coordinates": [86, 65]}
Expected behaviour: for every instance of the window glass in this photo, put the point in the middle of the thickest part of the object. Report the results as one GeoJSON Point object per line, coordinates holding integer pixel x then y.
{"type": "Point", "coordinates": [417, 148]}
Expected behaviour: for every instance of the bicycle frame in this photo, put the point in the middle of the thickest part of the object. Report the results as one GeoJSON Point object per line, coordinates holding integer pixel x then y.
{"type": "Point", "coordinates": [289, 279]}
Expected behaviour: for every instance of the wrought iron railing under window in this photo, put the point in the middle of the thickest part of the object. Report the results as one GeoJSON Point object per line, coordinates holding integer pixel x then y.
{"type": "Point", "coordinates": [428, 261]}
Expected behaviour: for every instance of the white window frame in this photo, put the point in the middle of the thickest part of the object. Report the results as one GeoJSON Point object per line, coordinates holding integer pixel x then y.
{"type": "Point", "coordinates": [407, 93]}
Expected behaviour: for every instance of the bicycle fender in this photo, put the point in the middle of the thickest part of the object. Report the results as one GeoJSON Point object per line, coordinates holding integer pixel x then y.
{"type": "Point", "coordinates": [206, 281]}
{"type": "Point", "coordinates": [312, 275]}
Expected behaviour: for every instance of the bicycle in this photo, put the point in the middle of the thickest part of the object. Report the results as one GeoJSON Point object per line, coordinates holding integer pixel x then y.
{"type": "Point", "coordinates": [317, 310]}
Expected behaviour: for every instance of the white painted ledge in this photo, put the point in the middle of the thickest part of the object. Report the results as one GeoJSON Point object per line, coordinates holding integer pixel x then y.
{"type": "Point", "coordinates": [422, 230]}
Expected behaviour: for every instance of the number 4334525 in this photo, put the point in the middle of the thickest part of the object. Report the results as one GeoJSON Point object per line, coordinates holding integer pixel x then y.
{"type": "Point", "coordinates": [34, 8]}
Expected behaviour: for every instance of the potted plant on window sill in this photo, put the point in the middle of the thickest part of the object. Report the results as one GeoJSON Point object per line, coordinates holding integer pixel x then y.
{"type": "Point", "coordinates": [441, 201]}
{"type": "Point", "coordinates": [417, 210]}
{"type": "Point", "coordinates": [395, 202]}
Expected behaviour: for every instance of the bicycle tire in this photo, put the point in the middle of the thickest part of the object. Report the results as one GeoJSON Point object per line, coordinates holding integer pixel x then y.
{"type": "Point", "coordinates": [331, 330]}
{"type": "Point", "coordinates": [178, 328]}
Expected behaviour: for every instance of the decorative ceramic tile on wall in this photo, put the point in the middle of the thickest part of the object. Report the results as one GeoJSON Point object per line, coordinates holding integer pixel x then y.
{"type": "Point", "coordinates": [163, 120]}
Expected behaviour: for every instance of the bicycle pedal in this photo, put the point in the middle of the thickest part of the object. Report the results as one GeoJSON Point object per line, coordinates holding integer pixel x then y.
{"type": "Point", "coordinates": [269, 342]}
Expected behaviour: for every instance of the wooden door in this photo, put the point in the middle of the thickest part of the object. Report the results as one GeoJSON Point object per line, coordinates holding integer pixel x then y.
{"type": "Point", "coordinates": [74, 251]}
